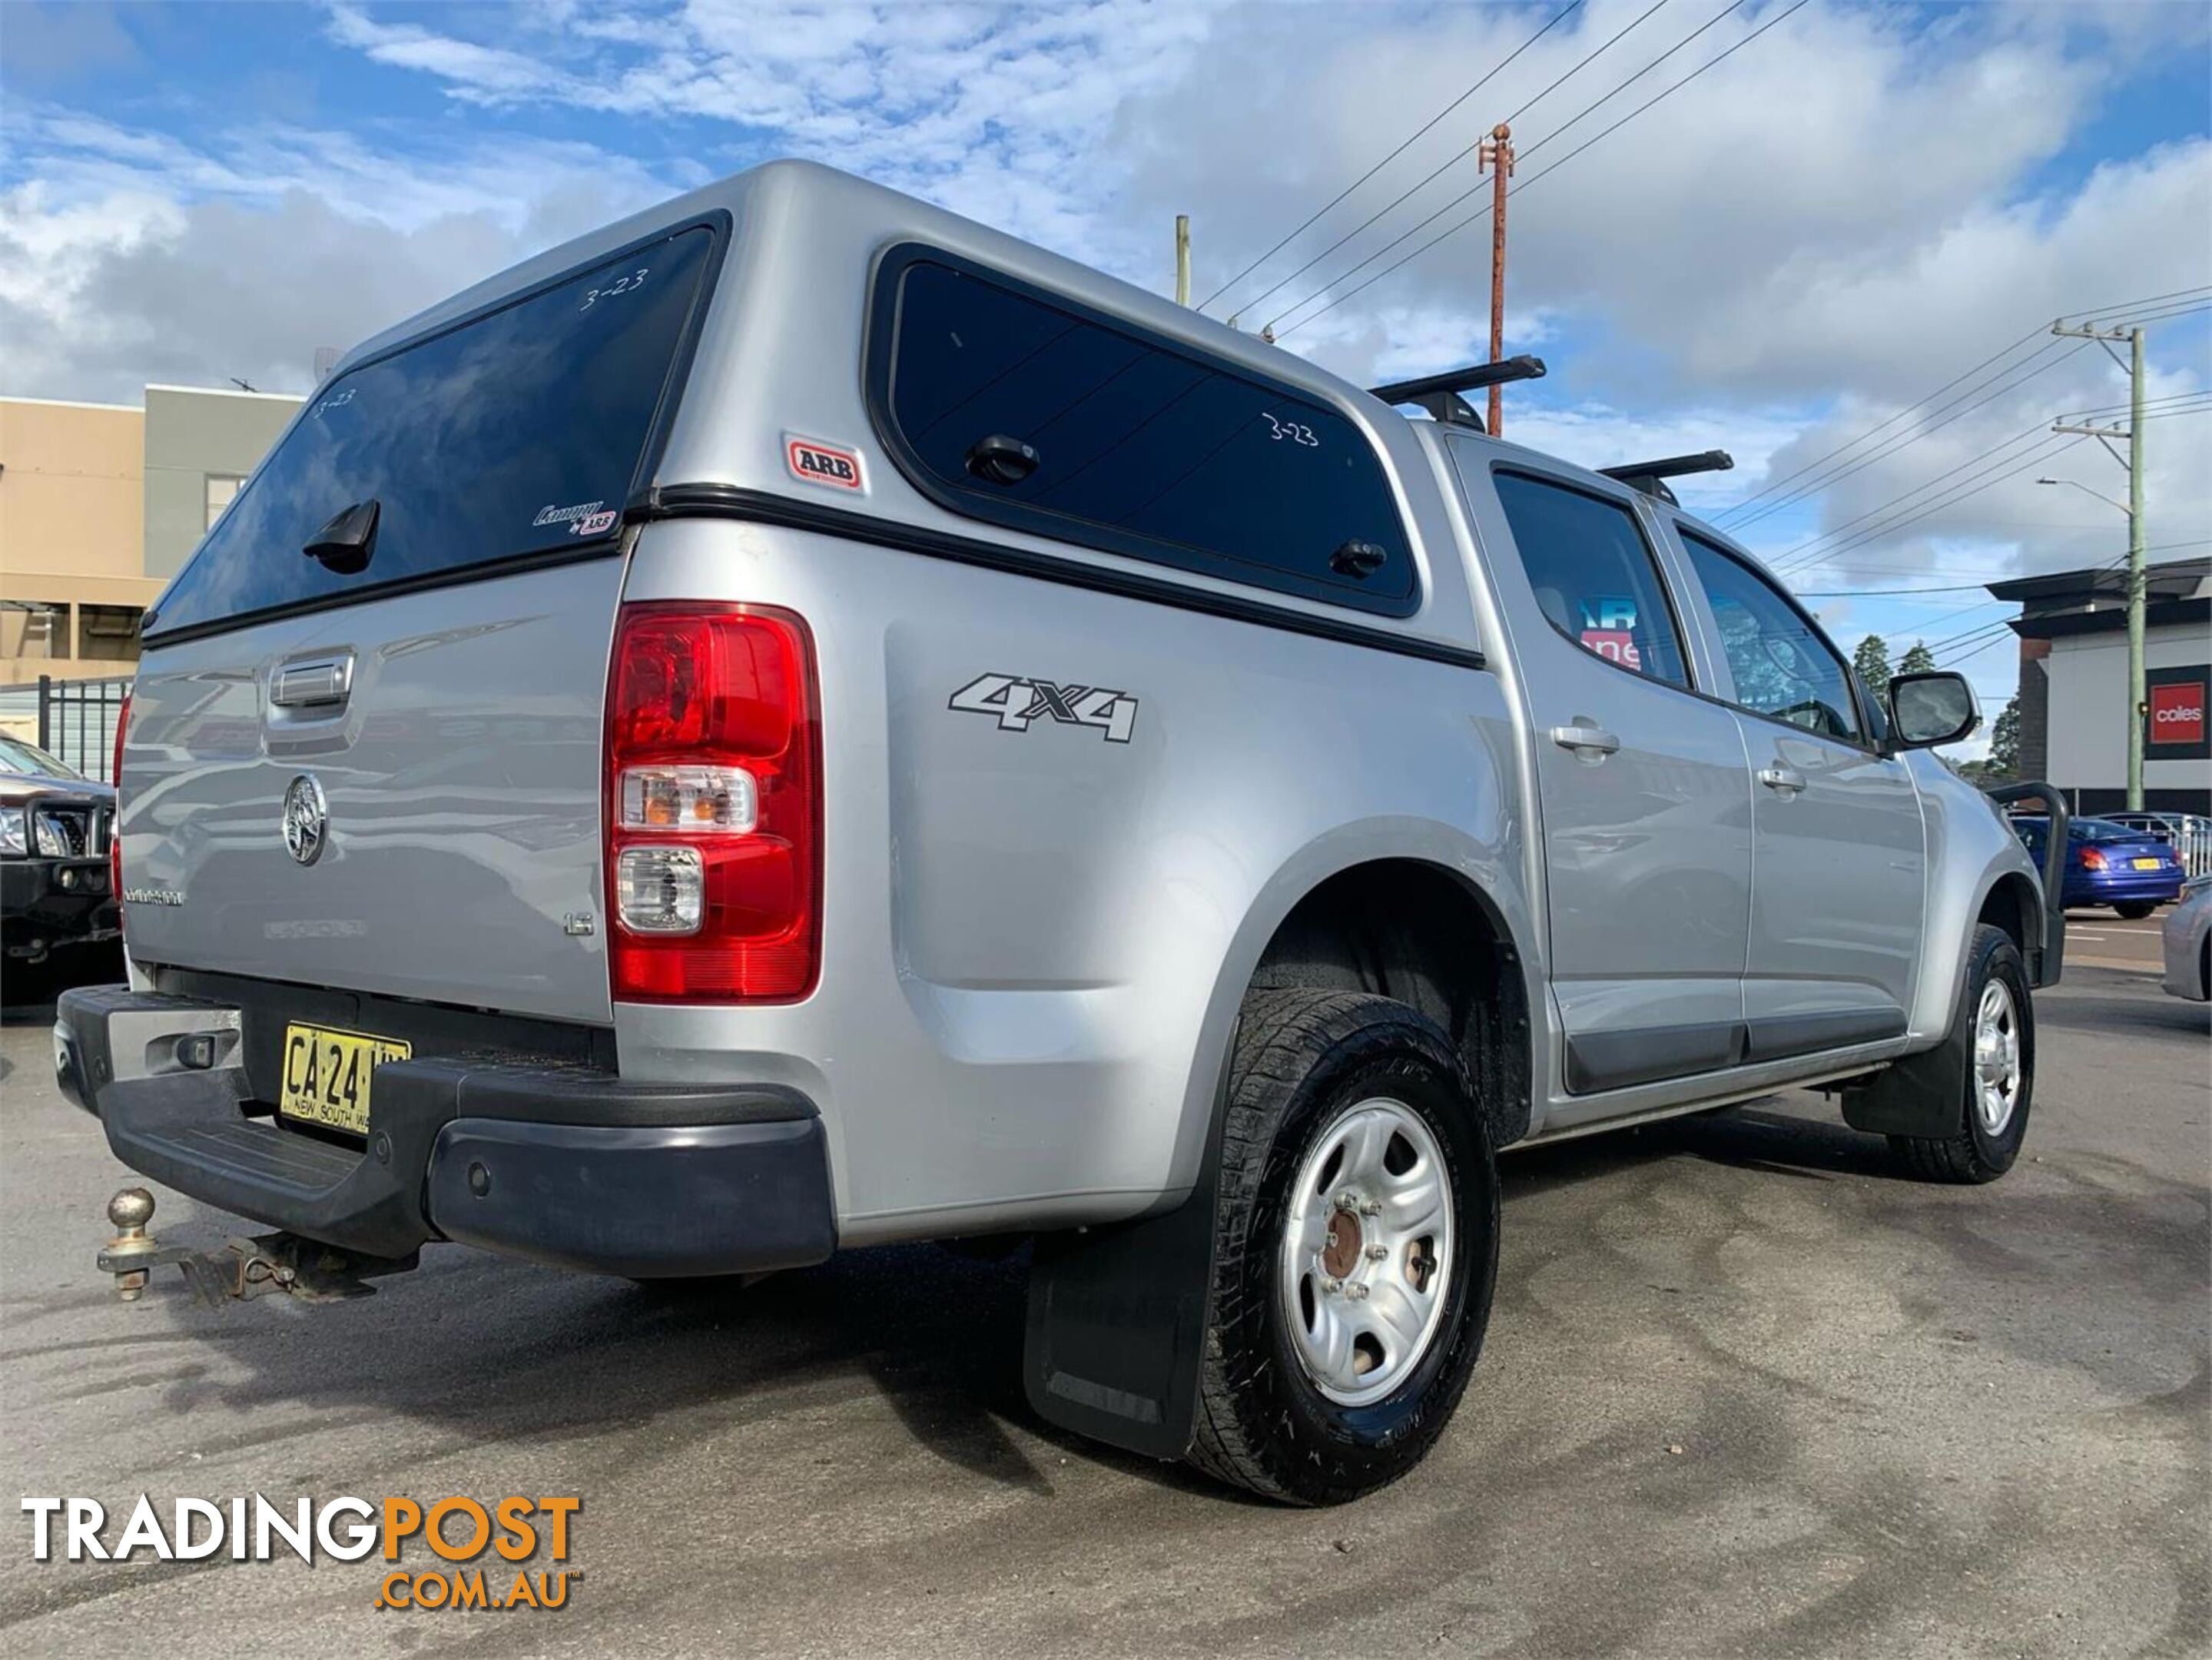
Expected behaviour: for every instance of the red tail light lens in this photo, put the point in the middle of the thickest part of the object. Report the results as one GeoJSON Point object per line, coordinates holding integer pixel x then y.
{"type": "Point", "coordinates": [2092, 859]}
{"type": "Point", "coordinates": [713, 805]}
{"type": "Point", "coordinates": [115, 816]}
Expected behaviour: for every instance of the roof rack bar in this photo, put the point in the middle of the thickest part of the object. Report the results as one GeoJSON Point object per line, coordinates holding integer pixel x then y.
{"type": "Point", "coordinates": [1673, 466]}
{"type": "Point", "coordinates": [1475, 376]}
{"type": "Point", "coordinates": [1650, 477]}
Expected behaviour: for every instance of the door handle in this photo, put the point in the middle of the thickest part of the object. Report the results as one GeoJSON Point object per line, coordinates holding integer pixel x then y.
{"type": "Point", "coordinates": [1585, 739]}
{"type": "Point", "coordinates": [1783, 781]}
{"type": "Point", "coordinates": [313, 682]}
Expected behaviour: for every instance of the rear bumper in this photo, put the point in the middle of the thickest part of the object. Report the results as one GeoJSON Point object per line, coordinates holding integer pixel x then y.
{"type": "Point", "coordinates": [2121, 887]}
{"type": "Point", "coordinates": [561, 1163]}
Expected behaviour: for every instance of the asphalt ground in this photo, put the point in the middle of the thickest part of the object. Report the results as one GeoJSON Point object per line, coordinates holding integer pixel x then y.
{"type": "Point", "coordinates": [1748, 1389]}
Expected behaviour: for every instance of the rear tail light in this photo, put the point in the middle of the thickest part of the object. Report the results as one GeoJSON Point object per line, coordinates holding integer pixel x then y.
{"type": "Point", "coordinates": [713, 767]}
{"type": "Point", "coordinates": [115, 812]}
{"type": "Point", "coordinates": [2092, 859]}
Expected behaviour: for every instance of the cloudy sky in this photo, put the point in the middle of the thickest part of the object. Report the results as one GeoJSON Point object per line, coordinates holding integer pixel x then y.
{"type": "Point", "coordinates": [1832, 245]}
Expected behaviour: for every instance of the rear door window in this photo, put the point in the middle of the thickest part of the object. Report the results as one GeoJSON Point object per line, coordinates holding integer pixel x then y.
{"type": "Point", "coordinates": [1141, 448]}
{"type": "Point", "coordinates": [1595, 581]}
{"type": "Point", "coordinates": [515, 435]}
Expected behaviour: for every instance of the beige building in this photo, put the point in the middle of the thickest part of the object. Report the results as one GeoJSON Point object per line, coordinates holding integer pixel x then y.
{"type": "Point", "coordinates": [100, 504]}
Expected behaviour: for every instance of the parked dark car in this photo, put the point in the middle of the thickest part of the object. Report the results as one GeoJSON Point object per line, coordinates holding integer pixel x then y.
{"type": "Point", "coordinates": [2109, 864]}
{"type": "Point", "coordinates": [54, 879]}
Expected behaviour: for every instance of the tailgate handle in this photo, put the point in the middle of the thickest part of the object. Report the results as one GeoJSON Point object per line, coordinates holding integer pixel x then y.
{"type": "Point", "coordinates": [316, 681]}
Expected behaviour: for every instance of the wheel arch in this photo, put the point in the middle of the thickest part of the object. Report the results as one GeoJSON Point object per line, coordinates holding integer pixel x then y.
{"type": "Point", "coordinates": [1426, 885]}
{"type": "Point", "coordinates": [1978, 872]}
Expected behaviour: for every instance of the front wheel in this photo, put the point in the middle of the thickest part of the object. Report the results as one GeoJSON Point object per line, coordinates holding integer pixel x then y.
{"type": "Point", "coordinates": [2135, 910]}
{"type": "Point", "coordinates": [1356, 1247]}
{"type": "Point", "coordinates": [1995, 1024]}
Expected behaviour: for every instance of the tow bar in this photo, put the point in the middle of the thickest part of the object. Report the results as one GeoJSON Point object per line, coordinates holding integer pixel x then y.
{"type": "Point", "coordinates": [242, 1268]}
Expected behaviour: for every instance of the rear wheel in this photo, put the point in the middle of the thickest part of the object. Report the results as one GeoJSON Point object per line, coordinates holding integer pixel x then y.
{"type": "Point", "coordinates": [1355, 1251]}
{"type": "Point", "coordinates": [1996, 1023]}
{"type": "Point", "coordinates": [2135, 910]}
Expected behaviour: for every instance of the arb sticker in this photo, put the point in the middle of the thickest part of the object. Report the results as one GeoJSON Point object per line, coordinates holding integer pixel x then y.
{"type": "Point", "coordinates": [598, 525]}
{"type": "Point", "coordinates": [823, 463]}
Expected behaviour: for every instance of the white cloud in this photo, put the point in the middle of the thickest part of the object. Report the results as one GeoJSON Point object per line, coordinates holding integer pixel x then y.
{"type": "Point", "coordinates": [1846, 212]}
{"type": "Point", "coordinates": [130, 256]}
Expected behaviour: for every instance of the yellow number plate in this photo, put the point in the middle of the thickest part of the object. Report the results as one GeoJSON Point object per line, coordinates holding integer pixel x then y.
{"type": "Point", "coordinates": [2148, 864]}
{"type": "Point", "coordinates": [327, 1075]}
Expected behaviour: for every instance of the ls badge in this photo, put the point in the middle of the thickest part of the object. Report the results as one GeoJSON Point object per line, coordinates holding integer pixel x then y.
{"type": "Point", "coordinates": [1015, 702]}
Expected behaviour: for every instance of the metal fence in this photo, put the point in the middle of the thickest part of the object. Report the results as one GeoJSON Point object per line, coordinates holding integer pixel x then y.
{"type": "Point", "coordinates": [78, 720]}
{"type": "Point", "coordinates": [2192, 840]}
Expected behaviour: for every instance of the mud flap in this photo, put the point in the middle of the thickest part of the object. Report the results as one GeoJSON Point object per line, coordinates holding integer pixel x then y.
{"type": "Point", "coordinates": [1117, 1319]}
{"type": "Point", "coordinates": [1923, 1096]}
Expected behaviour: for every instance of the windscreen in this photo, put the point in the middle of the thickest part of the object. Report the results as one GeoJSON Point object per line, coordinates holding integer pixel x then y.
{"type": "Point", "coordinates": [519, 433]}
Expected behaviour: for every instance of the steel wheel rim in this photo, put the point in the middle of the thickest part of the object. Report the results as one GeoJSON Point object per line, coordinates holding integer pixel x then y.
{"type": "Point", "coordinates": [1366, 1256]}
{"type": "Point", "coordinates": [1996, 1057]}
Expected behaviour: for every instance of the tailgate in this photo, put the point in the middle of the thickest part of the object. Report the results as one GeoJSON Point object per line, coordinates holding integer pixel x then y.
{"type": "Point", "coordinates": [460, 782]}
{"type": "Point", "coordinates": [365, 743]}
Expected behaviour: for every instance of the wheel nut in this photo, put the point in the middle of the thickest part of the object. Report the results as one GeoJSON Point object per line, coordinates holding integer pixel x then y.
{"type": "Point", "coordinates": [1348, 1200]}
{"type": "Point", "coordinates": [1372, 1208]}
{"type": "Point", "coordinates": [1332, 1285]}
{"type": "Point", "coordinates": [1377, 1253]}
{"type": "Point", "coordinates": [1356, 1291]}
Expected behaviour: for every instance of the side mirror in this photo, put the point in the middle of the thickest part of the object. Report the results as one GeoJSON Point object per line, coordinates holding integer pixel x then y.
{"type": "Point", "coordinates": [1932, 708]}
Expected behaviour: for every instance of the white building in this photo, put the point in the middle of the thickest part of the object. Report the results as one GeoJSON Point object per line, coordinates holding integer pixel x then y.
{"type": "Point", "coordinates": [2073, 685]}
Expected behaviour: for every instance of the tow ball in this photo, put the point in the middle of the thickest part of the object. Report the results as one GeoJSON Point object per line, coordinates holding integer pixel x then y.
{"type": "Point", "coordinates": [240, 1269]}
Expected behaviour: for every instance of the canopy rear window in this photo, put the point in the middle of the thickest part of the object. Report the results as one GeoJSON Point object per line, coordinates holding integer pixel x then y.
{"type": "Point", "coordinates": [1124, 441]}
{"type": "Point", "coordinates": [516, 436]}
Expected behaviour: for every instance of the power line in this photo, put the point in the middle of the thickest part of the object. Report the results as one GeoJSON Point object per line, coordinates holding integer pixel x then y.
{"type": "Point", "coordinates": [1733, 6]}
{"type": "Point", "coordinates": [2158, 409]}
{"type": "Point", "coordinates": [1453, 230]}
{"type": "Point", "coordinates": [2092, 315]}
{"type": "Point", "coordinates": [2038, 431]}
{"type": "Point", "coordinates": [1415, 230]}
{"type": "Point", "coordinates": [1811, 553]}
{"type": "Point", "coordinates": [1779, 18]}
{"type": "Point", "coordinates": [1957, 408]}
{"type": "Point", "coordinates": [1558, 17]}
{"type": "Point", "coordinates": [1787, 479]}
{"type": "Point", "coordinates": [1423, 182]}
{"type": "Point", "coordinates": [1966, 587]}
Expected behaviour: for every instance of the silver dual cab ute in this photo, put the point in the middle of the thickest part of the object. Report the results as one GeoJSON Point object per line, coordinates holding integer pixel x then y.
{"type": "Point", "coordinates": [797, 721]}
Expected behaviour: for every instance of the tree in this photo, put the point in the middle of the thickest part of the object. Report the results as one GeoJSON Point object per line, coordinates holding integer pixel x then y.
{"type": "Point", "coordinates": [2004, 741]}
{"type": "Point", "coordinates": [1871, 659]}
{"type": "Point", "coordinates": [1919, 660]}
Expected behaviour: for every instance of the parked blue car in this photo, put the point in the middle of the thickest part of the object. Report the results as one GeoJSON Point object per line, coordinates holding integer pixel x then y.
{"type": "Point", "coordinates": [2109, 864]}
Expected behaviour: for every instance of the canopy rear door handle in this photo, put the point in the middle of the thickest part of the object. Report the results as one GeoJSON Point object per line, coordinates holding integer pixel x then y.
{"type": "Point", "coordinates": [313, 682]}
{"type": "Point", "coordinates": [1585, 739]}
{"type": "Point", "coordinates": [1782, 780]}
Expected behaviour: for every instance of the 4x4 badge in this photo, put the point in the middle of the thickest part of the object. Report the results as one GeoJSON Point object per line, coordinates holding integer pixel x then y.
{"type": "Point", "coordinates": [306, 819]}
{"type": "Point", "coordinates": [1016, 702]}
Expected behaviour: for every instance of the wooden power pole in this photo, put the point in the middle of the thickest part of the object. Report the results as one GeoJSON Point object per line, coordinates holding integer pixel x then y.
{"type": "Point", "coordinates": [1183, 259]}
{"type": "Point", "coordinates": [1497, 155]}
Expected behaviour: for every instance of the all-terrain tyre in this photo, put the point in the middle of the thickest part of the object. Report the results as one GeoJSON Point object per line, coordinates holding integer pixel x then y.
{"type": "Point", "coordinates": [1995, 1023]}
{"type": "Point", "coordinates": [1356, 1247]}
